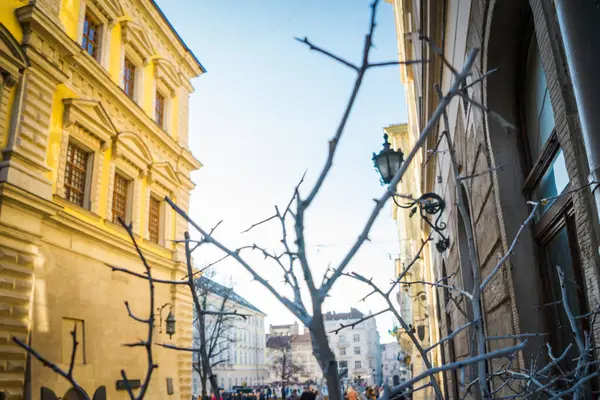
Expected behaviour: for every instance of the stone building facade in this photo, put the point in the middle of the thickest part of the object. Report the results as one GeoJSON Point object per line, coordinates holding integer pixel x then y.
{"type": "Point", "coordinates": [93, 126]}
{"type": "Point", "coordinates": [393, 366]}
{"type": "Point", "coordinates": [417, 301]}
{"type": "Point", "coordinates": [357, 349]}
{"type": "Point", "coordinates": [240, 351]}
{"type": "Point", "coordinates": [542, 153]}
{"type": "Point", "coordinates": [300, 351]}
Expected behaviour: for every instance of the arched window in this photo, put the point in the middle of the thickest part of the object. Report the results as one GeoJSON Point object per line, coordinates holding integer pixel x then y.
{"type": "Point", "coordinates": [554, 228]}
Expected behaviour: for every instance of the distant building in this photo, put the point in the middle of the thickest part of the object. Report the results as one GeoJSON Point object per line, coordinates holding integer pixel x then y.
{"type": "Point", "coordinates": [357, 349]}
{"type": "Point", "coordinates": [243, 358]}
{"type": "Point", "coordinates": [393, 364]}
{"type": "Point", "coordinates": [300, 352]}
{"type": "Point", "coordinates": [284, 330]}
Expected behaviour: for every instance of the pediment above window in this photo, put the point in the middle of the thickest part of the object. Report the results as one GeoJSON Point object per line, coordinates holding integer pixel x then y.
{"type": "Point", "coordinates": [110, 9]}
{"type": "Point", "coordinates": [135, 37]}
{"type": "Point", "coordinates": [165, 72]}
{"type": "Point", "coordinates": [91, 117]}
{"type": "Point", "coordinates": [12, 57]}
{"type": "Point", "coordinates": [130, 147]}
{"type": "Point", "coordinates": [164, 174]}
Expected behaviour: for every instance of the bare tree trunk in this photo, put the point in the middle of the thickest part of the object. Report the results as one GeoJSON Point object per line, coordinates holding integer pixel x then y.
{"type": "Point", "coordinates": [283, 373]}
{"type": "Point", "coordinates": [204, 359]}
{"type": "Point", "coordinates": [323, 353]}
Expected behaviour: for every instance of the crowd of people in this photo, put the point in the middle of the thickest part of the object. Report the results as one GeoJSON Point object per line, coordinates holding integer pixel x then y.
{"type": "Point", "coordinates": [308, 393]}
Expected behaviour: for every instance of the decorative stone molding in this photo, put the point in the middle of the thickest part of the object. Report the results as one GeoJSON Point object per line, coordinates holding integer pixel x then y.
{"type": "Point", "coordinates": [165, 72]}
{"type": "Point", "coordinates": [110, 9]}
{"type": "Point", "coordinates": [93, 145]}
{"type": "Point", "coordinates": [86, 122]}
{"type": "Point", "coordinates": [135, 37]}
{"type": "Point", "coordinates": [91, 117]}
{"type": "Point", "coordinates": [12, 58]}
{"type": "Point", "coordinates": [130, 147]}
{"type": "Point", "coordinates": [164, 175]}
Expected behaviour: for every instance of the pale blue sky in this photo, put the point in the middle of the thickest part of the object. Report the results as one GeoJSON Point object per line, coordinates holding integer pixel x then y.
{"type": "Point", "coordinates": [262, 115]}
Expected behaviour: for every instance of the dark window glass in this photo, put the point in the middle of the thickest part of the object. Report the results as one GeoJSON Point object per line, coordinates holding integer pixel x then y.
{"type": "Point", "coordinates": [160, 109]}
{"type": "Point", "coordinates": [91, 35]}
{"type": "Point", "coordinates": [154, 219]}
{"type": "Point", "coordinates": [129, 78]}
{"type": "Point", "coordinates": [76, 174]}
{"type": "Point", "coordinates": [119, 204]}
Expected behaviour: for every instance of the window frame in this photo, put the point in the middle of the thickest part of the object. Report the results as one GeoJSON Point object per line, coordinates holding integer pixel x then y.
{"type": "Point", "coordinates": [357, 350]}
{"type": "Point", "coordinates": [131, 82]}
{"type": "Point", "coordinates": [162, 121]}
{"type": "Point", "coordinates": [154, 200]}
{"type": "Point", "coordinates": [357, 364]}
{"type": "Point", "coordinates": [86, 199]}
{"type": "Point", "coordinates": [558, 215]}
{"type": "Point", "coordinates": [106, 25]}
{"type": "Point", "coordinates": [128, 195]}
{"type": "Point", "coordinates": [90, 16]}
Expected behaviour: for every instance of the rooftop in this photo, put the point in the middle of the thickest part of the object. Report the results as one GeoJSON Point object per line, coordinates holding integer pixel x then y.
{"type": "Point", "coordinates": [164, 17]}
{"type": "Point", "coordinates": [353, 314]}
{"type": "Point", "coordinates": [222, 291]}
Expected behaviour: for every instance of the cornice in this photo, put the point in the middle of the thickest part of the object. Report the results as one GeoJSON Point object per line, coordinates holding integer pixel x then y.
{"type": "Point", "coordinates": [33, 18]}
{"type": "Point", "coordinates": [193, 66]}
{"type": "Point", "coordinates": [112, 236]}
{"type": "Point", "coordinates": [24, 199]}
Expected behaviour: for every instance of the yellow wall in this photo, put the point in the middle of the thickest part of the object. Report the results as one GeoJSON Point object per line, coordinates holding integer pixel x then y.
{"type": "Point", "coordinates": [56, 131]}
{"type": "Point", "coordinates": [149, 89]}
{"type": "Point", "coordinates": [174, 130]}
{"type": "Point", "coordinates": [116, 43]}
{"type": "Point", "coordinates": [69, 17]}
{"type": "Point", "coordinates": [62, 250]}
{"type": "Point", "coordinates": [9, 19]}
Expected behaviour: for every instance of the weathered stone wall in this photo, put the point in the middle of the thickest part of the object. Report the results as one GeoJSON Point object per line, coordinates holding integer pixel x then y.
{"type": "Point", "coordinates": [496, 202]}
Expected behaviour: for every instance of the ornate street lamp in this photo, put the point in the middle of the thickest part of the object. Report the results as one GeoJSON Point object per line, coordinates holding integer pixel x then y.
{"type": "Point", "coordinates": [387, 163]}
{"type": "Point", "coordinates": [169, 322]}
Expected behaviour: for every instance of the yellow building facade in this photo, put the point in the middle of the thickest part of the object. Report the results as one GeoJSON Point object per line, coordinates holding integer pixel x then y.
{"type": "Point", "coordinates": [418, 302]}
{"type": "Point", "coordinates": [93, 126]}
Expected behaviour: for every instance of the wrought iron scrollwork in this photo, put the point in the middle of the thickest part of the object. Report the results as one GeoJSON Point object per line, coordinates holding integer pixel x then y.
{"type": "Point", "coordinates": [428, 205]}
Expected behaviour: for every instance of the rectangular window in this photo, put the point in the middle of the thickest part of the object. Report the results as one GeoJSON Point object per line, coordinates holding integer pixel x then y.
{"type": "Point", "coordinates": [76, 174]}
{"type": "Point", "coordinates": [73, 325]}
{"type": "Point", "coordinates": [91, 35]}
{"type": "Point", "coordinates": [357, 337]}
{"type": "Point", "coordinates": [342, 351]}
{"type": "Point", "coordinates": [342, 339]}
{"type": "Point", "coordinates": [357, 351]}
{"type": "Point", "coordinates": [154, 220]}
{"type": "Point", "coordinates": [160, 110]}
{"type": "Point", "coordinates": [357, 365]}
{"type": "Point", "coordinates": [129, 78]}
{"type": "Point", "coordinates": [119, 204]}
{"type": "Point", "coordinates": [343, 364]}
